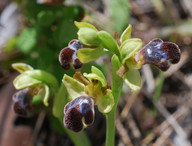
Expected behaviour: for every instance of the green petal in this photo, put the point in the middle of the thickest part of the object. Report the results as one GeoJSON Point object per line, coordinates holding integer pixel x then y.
{"type": "Point", "coordinates": [23, 81]}
{"type": "Point", "coordinates": [92, 76]}
{"type": "Point", "coordinates": [74, 87]}
{"type": "Point", "coordinates": [88, 37]}
{"type": "Point", "coordinates": [133, 79]}
{"type": "Point", "coordinates": [99, 73]}
{"type": "Point", "coordinates": [129, 47]}
{"type": "Point", "coordinates": [21, 67]}
{"type": "Point", "coordinates": [86, 55]}
{"type": "Point", "coordinates": [126, 34]}
{"type": "Point", "coordinates": [109, 42]}
{"type": "Point", "coordinates": [106, 102]}
{"type": "Point", "coordinates": [46, 96]}
{"type": "Point", "coordinates": [84, 24]}
{"type": "Point", "coordinates": [42, 76]}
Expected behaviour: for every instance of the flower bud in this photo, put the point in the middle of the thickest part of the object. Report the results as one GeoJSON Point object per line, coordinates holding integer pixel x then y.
{"type": "Point", "coordinates": [69, 54]}
{"type": "Point", "coordinates": [159, 53]}
{"type": "Point", "coordinates": [79, 112]}
{"type": "Point", "coordinates": [88, 36]}
{"type": "Point", "coordinates": [23, 102]}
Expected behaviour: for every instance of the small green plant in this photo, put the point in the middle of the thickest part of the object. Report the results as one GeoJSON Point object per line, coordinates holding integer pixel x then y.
{"type": "Point", "coordinates": [73, 103]}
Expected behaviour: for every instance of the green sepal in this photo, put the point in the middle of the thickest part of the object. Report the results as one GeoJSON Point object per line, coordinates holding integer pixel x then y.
{"type": "Point", "coordinates": [109, 42]}
{"type": "Point", "coordinates": [126, 34]}
{"type": "Point", "coordinates": [21, 67]}
{"type": "Point", "coordinates": [84, 24]}
{"type": "Point", "coordinates": [43, 77]}
{"type": "Point", "coordinates": [106, 102]}
{"type": "Point", "coordinates": [46, 96]}
{"type": "Point", "coordinates": [93, 76]}
{"type": "Point", "coordinates": [129, 47]}
{"type": "Point", "coordinates": [133, 79]}
{"type": "Point", "coordinates": [86, 55]}
{"type": "Point", "coordinates": [74, 87]}
{"type": "Point", "coordinates": [24, 81]}
{"type": "Point", "coordinates": [88, 37]}
{"type": "Point", "coordinates": [96, 75]}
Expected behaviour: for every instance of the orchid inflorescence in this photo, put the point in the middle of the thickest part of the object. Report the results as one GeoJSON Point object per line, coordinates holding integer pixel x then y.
{"type": "Point", "coordinates": [127, 49]}
{"type": "Point", "coordinates": [92, 89]}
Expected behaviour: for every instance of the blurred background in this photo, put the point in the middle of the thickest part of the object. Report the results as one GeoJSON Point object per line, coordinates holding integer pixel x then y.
{"type": "Point", "coordinates": [34, 32]}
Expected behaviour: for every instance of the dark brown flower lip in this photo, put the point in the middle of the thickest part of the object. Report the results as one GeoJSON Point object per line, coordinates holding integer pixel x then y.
{"type": "Point", "coordinates": [159, 53]}
{"type": "Point", "coordinates": [22, 102]}
{"type": "Point", "coordinates": [68, 55]}
{"type": "Point", "coordinates": [78, 112]}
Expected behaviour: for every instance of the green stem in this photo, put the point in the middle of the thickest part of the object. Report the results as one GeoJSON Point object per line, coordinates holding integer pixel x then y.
{"type": "Point", "coordinates": [110, 131]}
{"type": "Point", "coordinates": [117, 84]}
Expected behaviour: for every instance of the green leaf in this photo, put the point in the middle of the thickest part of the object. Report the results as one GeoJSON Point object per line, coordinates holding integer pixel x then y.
{"type": "Point", "coordinates": [46, 18]}
{"type": "Point", "coordinates": [159, 86]}
{"type": "Point", "coordinates": [60, 101]}
{"type": "Point", "coordinates": [109, 42]}
{"type": "Point", "coordinates": [10, 45]}
{"type": "Point", "coordinates": [129, 47]}
{"type": "Point", "coordinates": [84, 24]}
{"type": "Point", "coordinates": [126, 34]}
{"type": "Point", "coordinates": [23, 81]}
{"type": "Point", "coordinates": [88, 37]}
{"type": "Point", "coordinates": [74, 87]}
{"type": "Point", "coordinates": [86, 55]}
{"type": "Point", "coordinates": [119, 14]}
{"type": "Point", "coordinates": [46, 96]}
{"type": "Point", "coordinates": [133, 79]}
{"type": "Point", "coordinates": [21, 67]}
{"type": "Point", "coordinates": [65, 32]}
{"type": "Point", "coordinates": [27, 39]}
{"type": "Point", "coordinates": [105, 103]}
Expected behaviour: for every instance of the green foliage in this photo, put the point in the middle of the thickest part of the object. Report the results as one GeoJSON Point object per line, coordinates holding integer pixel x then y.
{"type": "Point", "coordinates": [45, 18]}
{"type": "Point", "coordinates": [11, 44]}
{"type": "Point", "coordinates": [119, 11]}
{"type": "Point", "coordinates": [27, 40]}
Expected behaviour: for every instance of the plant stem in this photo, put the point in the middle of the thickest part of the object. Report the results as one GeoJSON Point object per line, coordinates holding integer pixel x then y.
{"type": "Point", "coordinates": [117, 84]}
{"type": "Point", "coordinates": [110, 132]}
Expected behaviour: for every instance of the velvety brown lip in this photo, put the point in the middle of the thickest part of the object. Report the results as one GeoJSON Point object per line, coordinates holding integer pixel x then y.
{"type": "Point", "coordinates": [159, 54]}
{"type": "Point", "coordinates": [81, 108]}
{"type": "Point", "coordinates": [69, 54]}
